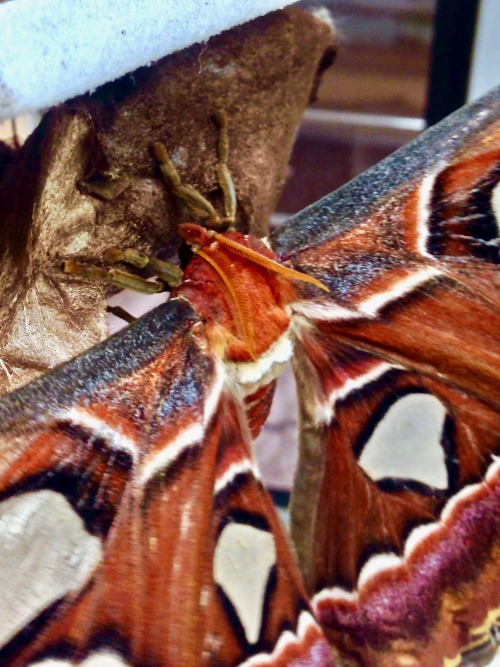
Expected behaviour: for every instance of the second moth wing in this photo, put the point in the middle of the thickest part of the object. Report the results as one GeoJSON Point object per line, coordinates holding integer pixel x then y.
{"type": "Point", "coordinates": [396, 507]}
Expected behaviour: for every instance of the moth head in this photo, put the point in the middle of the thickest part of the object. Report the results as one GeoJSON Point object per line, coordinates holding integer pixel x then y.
{"type": "Point", "coordinates": [195, 235]}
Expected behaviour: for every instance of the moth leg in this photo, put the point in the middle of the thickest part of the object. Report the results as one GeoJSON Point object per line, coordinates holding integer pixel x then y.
{"type": "Point", "coordinates": [194, 199]}
{"type": "Point", "coordinates": [115, 277]}
{"type": "Point", "coordinates": [168, 273]}
{"type": "Point", "coordinates": [223, 173]}
{"type": "Point", "coordinates": [123, 314]}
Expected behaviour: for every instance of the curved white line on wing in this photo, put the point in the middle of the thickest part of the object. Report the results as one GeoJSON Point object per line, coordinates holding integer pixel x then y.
{"type": "Point", "coordinates": [102, 430]}
{"type": "Point", "coordinates": [374, 304]}
{"type": "Point", "coordinates": [368, 308]}
{"type": "Point", "coordinates": [424, 210]}
{"type": "Point", "coordinates": [191, 436]}
{"type": "Point", "coordinates": [242, 467]}
{"type": "Point", "coordinates": [495, 206]}
{"type": "Point", "coordinates": [213, 396]}
{"type": "Point", "coordinates": [326, 412]}
{"type": "Point", "coordinates": [315, 310]}
{"type": "Point", "coordinates": [419, 535]}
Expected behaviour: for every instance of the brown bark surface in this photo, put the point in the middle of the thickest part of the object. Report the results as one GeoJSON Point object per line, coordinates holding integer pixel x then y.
{"type": "Point", "coordinates": [85, 179]}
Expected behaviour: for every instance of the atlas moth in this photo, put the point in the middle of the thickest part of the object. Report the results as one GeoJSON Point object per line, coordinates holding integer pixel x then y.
{"type": "Point", "coordinates": [135, 529]}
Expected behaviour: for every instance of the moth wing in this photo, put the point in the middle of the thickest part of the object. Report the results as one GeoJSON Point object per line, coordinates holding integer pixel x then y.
{"type": "Point", "coordinates": [134, 528]}
{"type": "Point", "coordinates": [398, 526]}
{"type": "Point", "coordinates": [396, 510]}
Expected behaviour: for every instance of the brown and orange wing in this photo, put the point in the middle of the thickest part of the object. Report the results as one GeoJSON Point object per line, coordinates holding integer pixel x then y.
{"type": "Point", "coordinates": [134, 527]}
{"type": "Point", "coordinates": [396, 510]}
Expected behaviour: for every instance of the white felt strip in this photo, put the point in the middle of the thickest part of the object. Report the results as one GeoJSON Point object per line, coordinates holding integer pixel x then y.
{"type": "Point", "coordinates": [55, 49]}
{"type": "Point", "coordinates": [250, 372]}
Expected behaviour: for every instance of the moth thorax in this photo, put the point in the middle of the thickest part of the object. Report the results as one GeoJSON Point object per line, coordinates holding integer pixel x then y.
{"type": "Point", "coordinates": [242, 302]}
{"type": "Point", "coordinates": [238, 290]}
{"type": "Point", "coordinates": [256, 379]}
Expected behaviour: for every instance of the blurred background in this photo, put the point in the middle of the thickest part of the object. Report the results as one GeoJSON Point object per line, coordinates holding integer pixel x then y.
{"type": "Point", "coordinates": [402, 65]}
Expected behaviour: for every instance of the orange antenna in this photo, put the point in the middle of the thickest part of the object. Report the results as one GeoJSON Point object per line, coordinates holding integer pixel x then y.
{"type": "Point", "coordinates": [267, 263]}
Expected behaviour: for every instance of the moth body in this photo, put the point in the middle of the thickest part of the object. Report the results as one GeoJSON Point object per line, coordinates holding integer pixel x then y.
{"type": "Point", "coordinates": [245, 309]}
